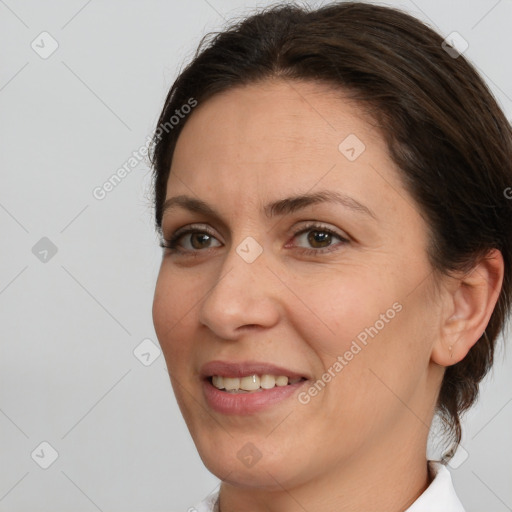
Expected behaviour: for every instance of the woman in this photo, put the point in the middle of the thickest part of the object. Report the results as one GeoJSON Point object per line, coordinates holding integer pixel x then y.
{"type": "Point", "coordinates": [329, 188]}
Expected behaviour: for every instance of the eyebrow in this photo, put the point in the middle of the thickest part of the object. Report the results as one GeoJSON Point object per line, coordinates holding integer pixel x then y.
{"type": "Point", "coordinates": [280, 207]}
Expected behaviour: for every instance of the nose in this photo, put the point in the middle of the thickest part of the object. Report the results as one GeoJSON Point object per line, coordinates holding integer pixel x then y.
{"type": "Point", "coordinates": [244, 295]}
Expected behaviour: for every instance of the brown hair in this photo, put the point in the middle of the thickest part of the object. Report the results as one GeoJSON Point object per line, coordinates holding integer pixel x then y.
{"type": "Point", "coordinates": [442, 126]}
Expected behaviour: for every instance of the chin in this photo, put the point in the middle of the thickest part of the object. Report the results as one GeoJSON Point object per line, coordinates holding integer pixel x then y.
{"type": "Point", "coordinates": [246, 466]}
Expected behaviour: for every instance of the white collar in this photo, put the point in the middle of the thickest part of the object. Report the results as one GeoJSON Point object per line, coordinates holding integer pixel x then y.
{"type": "Point", "coordinates": [440, 492]}
{"type": "Point", "coordinates": [439, 496]}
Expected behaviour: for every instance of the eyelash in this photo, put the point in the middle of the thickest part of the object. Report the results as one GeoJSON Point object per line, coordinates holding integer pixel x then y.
{"type": "Point", "coordinates": [171, 244]}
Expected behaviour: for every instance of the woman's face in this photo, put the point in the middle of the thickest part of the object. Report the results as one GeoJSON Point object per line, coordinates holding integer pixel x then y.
{"type": "Point", "coordinates": [336, 291]}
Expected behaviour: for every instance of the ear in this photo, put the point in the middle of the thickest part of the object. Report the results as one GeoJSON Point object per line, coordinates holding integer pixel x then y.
{"type": "Point", "coordinates": [471, 299]}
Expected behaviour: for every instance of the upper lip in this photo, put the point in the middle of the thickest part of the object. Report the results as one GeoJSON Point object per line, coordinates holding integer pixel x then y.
{"type": "Point", "coordinates": [245, 368]}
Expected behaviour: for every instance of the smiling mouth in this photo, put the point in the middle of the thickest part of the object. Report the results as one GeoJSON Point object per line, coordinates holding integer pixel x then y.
{"type": "Point", "coordinates": [251, 383]}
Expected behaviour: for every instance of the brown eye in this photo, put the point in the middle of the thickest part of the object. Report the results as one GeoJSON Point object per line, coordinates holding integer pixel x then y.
{"type": "Point", "coordinates": [200, 240]}
{"type": "Point", "coordinates": [316, 239]}
{"type": "Point", "coordinates": [191, 240]}
{"type": "Point", "coordinates": [319, 239]}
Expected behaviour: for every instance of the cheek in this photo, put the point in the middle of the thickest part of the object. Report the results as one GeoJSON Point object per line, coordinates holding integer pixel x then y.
{"type": "Point", "coordinates": [176, 293]}
{"type": "Point", "coordinates": [335, 312]}
{"type": "Point", "coordinates": [361, 327]}
{"type": "Point", "coordinates": [384, 363]}
{"type": "Point", "coordinates": [172, 312]}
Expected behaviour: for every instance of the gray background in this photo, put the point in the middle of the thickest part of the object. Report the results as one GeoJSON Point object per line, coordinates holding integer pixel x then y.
{"type": "Point", "coordinates": [70, 323]}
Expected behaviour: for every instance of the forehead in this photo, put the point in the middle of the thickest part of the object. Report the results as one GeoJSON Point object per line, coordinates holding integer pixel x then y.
{"type": "Point", "coordinates": [298, 116]}
{"type": "Point", "coordinates": [278, 138]}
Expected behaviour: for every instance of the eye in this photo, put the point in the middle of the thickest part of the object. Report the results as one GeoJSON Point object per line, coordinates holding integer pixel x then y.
{"type": "Point", "coordinates": [319, 238]}
{"type": "Point", "coordinates": [194, 239]}
{"type": "Point", "coordinates": [190, 239]}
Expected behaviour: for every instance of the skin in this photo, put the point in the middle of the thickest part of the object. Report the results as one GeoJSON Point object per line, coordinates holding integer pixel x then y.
{"type": "Point", "coordinates": [359, 444]}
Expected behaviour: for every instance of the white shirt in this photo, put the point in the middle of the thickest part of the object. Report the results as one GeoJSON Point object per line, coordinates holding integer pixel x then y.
{"type": "Point", "coordinates": [439, 496]}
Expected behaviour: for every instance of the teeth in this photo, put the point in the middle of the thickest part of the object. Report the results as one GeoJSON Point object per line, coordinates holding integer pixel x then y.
{"type": "Point", "coordinates": [252, 382]}
{"type": "Point", "coordinates": [218, 382]}
{"type": "Point", "coordinates": [267, 381]}
{"type": "Point", "coordinates": [281, 381]}
{"type": "Point", "coordinates": [231, 383]}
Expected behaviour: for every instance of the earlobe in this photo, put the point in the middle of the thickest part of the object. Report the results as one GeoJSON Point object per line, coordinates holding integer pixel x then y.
{"type": "Point", "coordinates": [472, 298]}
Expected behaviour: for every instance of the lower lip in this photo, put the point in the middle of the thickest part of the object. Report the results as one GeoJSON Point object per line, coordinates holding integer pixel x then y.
{"type": "Point", "coordinates": [247, 403]}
